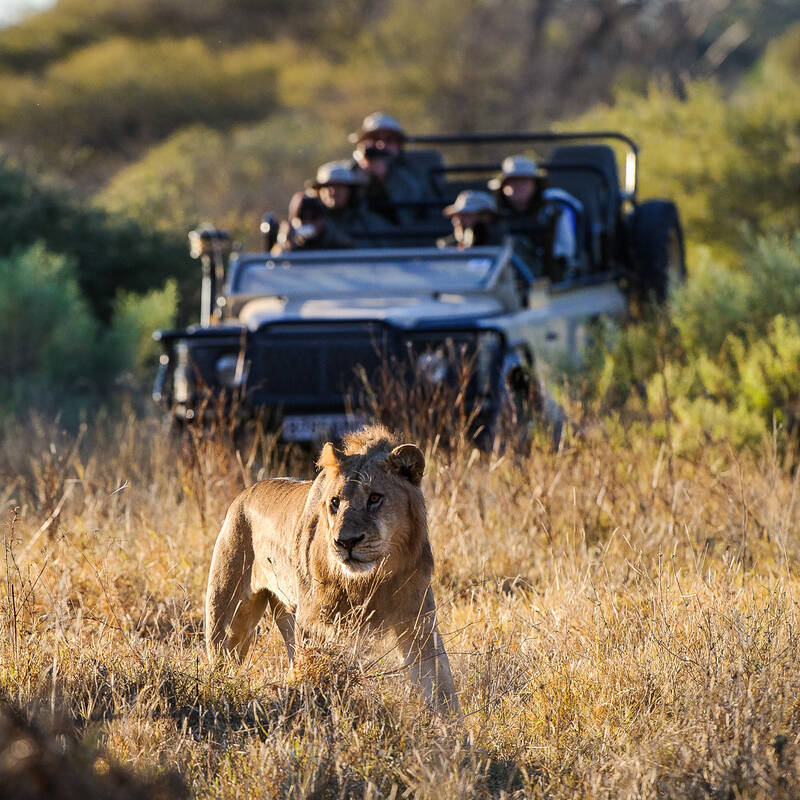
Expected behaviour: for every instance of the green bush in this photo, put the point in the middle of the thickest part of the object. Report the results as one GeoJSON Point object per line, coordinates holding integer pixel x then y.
{"type": "Point", "coordinates": [110, 253]}
{"type": "Point", "coordinates": [54, 354]}
{"type": "Point", "coordinates": [122, 93]}
{"type": "Point", "coordinates": [229, 178]}
{"type": "Point", "coordinates": [135, 319]}
{"type": "Point", "coordinates": [725, 363]}
{"type": "Point", "coordinates": [731, 161]}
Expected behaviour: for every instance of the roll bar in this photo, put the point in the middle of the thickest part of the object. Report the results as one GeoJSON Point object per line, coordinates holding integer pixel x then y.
{"type": "Point", "coordinates": [631, 157]}
{"type": "Point", "coordinates": [545, 165]}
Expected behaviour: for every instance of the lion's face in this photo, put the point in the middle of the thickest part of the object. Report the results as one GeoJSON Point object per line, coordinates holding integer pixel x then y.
{"type": "Point", "coordinates": [371, 507]}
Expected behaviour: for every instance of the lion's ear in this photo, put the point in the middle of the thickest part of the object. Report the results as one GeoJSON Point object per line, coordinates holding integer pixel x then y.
{"type": "Point", "coordinates": [329, 456]}
{"type": "Point", "coordinates": [407, 461]}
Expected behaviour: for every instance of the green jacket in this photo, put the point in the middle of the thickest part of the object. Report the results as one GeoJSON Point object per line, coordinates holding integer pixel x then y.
{"type": "Point", "coordinates": [357, 222]}
{"type": "Point", "coordinates": [401, 186]}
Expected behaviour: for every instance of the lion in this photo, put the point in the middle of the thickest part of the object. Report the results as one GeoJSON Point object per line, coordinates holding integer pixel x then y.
{"type": "Point", "coordinates": [350, 545]}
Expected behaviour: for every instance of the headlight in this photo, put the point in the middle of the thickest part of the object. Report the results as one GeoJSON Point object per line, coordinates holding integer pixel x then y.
{"type": "Point", "coordinates": [432, 366]}
{"type": "Point", "coordinates": [231, 370]}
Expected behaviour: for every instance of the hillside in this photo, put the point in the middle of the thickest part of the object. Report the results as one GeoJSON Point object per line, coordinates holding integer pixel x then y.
{"type": "Point", "coordinates": [86, 88]}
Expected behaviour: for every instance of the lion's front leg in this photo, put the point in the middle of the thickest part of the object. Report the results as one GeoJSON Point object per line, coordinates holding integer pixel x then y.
{"type": "Point", "coordinates": [426, 658]}
{"type": "Point", "coordinates": [285, 621]}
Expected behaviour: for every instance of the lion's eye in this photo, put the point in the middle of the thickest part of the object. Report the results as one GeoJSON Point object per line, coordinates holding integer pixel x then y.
{"type": "Point", "coordinates": [374, 499]}
{"type": "Point", "coordinates": [334, 504]}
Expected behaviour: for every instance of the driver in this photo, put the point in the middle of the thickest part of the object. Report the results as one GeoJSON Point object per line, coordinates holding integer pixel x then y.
{"type": "Point", "coordinates": [380, 144]}
{"type": "Point", "coordinates": [474, 220]}
{"type": "Point", "coordinates": [307, 228]}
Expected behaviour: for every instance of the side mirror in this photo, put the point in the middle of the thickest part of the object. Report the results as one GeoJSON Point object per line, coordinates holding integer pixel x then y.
{"type": "Point", "coordinates": [269, 230]}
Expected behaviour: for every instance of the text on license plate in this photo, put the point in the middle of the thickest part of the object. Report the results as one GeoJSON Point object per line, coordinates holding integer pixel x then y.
{"type": "Point", "coordinates": [318, 427]}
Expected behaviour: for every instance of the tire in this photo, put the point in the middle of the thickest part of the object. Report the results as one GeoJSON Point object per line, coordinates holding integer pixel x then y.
{"type": "Point", "coordinates": [658, 253]}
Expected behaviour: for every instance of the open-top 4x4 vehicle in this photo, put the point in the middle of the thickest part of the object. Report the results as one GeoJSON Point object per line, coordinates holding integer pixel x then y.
{"type": "Point", "coordinates": [299, 337]}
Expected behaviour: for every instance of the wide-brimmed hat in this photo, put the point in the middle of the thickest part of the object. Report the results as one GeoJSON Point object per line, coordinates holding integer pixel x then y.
{"type": "Point", "coordinates": [337, 172]}
{"type": "Point", "coordinates": [472, 202]}
{"type": "Point", "coordinates": [515, 167]}
{"type": "Point", "coordinates": [377, 122]}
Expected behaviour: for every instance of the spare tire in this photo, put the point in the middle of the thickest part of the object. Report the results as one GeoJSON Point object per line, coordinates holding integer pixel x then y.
{"type": "Point", "coordinates": [657, 249]}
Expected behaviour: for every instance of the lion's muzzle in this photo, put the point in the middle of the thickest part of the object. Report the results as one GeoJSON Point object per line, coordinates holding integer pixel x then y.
{"type": "Point", "coordinates": [347, 540]}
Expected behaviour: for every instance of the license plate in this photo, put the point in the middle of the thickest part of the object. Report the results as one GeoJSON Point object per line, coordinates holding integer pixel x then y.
{"type": "Point", "coordinates": [318, 427]}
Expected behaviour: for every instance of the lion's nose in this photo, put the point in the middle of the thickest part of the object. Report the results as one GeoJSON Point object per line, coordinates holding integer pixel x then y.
{"type": "Point", "coordinates": [348, 540]}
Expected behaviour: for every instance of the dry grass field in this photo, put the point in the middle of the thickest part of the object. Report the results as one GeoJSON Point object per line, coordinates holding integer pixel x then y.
{"type": "Point", "coordinates": [622, 621]}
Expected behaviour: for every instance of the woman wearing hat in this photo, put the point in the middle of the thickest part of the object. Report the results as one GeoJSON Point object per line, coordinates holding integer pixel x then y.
{"type": "Point", "coordinates": [380, 142]}
{"type": "Point", "coordinates": [548, 218]}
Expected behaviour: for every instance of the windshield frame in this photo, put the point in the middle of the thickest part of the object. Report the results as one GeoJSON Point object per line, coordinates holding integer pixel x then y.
{"type": "Point", "coordinates": [368, 258]}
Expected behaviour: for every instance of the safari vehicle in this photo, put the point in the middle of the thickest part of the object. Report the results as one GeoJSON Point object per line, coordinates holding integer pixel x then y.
{"type": "Point", "coordinates": [293, 336]}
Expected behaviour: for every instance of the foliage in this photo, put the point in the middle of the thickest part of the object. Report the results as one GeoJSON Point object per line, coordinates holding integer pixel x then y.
{"type": "Point", "coordinates": [86, 87]}
{"type": "Point", "coordinates": [724, 362]}
{"type": "Point", "coordinates": [119, 92]}
{"type": "Point", "coordinates": [231, 178]}
{"type": "Point", "coordinates": [731, 163]}
{"type": "Point", "coordinates": [136, 316]}
{"type": "Point", "coordinates": [55, 355]}
{"type": "Point", "coordinates": [110, 253]}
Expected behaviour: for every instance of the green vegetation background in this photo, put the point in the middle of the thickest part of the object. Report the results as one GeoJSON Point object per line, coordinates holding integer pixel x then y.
{"type": "Point", "coordinates": [124, 124]}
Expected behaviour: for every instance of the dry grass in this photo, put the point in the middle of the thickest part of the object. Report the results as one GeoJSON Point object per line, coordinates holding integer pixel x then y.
{"type": "Point", "coordinates": [622, 622]}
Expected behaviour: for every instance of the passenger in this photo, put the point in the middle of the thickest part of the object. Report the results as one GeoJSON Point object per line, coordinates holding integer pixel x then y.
{"type": "Point", "coordinates": [306, 228]}
{"type": "Point", "coordinates": [474, 220]}
{"type": "Point", "coordinates": [548, 217]}
{"type": "Point", "coordinates": [340, 190]}
{"type": "Point", "coordinates": [380, 144]}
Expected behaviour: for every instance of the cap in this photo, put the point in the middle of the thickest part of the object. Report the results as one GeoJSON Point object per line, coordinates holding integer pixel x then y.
{"type": "Point", "coordinates": [472, 202]}
{"type": "Point", "coordinates": [336, 172]}
{"type": "Point", "coordinates": [515, 167]}
{"type": "Point", "coordinates": [377, 122]}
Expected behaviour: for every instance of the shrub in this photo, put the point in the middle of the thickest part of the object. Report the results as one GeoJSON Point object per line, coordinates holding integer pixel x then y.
{"type": "Point", "coordinates": [134, 92]}
{"type": "Point", "coordinates": [54, 353]}
{"type": "Point", "coordinates": [230, 178]}
{"type": "Point", "coordinates": [724, 362]}
{"type": "Point", "coordinates": [110, 253]}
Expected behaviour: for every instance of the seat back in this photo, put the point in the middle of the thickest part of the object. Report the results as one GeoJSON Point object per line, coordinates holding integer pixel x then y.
{"type": "Point", "coordinates": [595, 191]}
{"type": "Point", "coordinates": [589, 173]}
{"type": "Point", "coordinates": [425, 165]}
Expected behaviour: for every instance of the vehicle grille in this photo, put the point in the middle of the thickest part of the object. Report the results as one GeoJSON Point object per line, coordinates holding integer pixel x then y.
{"type": "Point", "coordinates": [312, 365]}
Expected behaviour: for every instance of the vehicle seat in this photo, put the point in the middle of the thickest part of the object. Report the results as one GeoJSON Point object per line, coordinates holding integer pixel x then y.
{"type": "Point", "coordinates": [424, 164]}
{"type": "Point", "coordinates": [600, 198]}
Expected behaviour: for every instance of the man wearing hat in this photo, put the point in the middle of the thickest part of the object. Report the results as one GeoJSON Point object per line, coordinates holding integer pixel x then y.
{"type": "Point", "coordinates": [547, 217]}
{"type": "Point", "coordinates": [306, 228]}
{"type": "Point", "coordinates": [474, 218]}
{"type": "Point", "coordinates": [380, 142]}
{"type": "Point", "coordinates": [340, 190]}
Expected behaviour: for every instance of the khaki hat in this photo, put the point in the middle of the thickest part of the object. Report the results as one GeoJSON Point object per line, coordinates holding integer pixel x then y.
{"type": "Point", "coordinates": [375, 123]}
{"type": "Point", "coordinates": [337, 172]}
{"type": "Point", "coordinates": [515, 167]}
{"type": "Point", "coordinates": [472, 202]}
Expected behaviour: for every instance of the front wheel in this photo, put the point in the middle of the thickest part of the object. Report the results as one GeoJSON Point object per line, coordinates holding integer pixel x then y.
{"type": "Point", "coordinates": [658, 252]}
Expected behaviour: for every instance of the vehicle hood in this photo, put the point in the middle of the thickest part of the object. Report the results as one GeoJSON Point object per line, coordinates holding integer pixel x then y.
{"type": "Point", "coordinates": [404, 312]}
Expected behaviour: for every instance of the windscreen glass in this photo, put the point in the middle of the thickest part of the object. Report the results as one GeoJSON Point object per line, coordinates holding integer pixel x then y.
{"type": "Point", "coordinates": [342, 276]}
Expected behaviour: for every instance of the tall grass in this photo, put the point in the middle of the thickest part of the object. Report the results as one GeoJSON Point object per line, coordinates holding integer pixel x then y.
{"type": "Point", "coordinates": [622, 621]}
